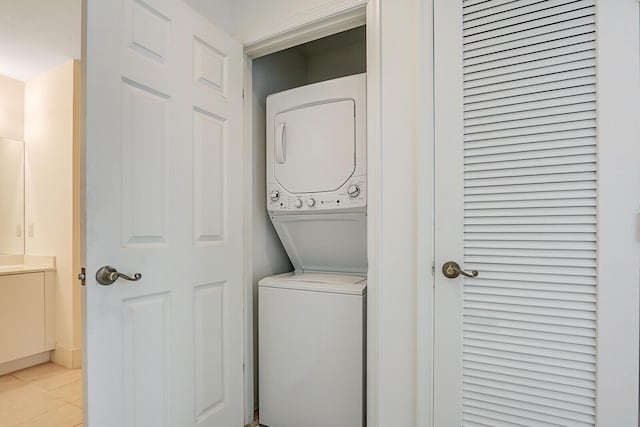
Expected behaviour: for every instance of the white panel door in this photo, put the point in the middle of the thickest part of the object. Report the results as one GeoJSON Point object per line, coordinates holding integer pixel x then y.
{"type": "Point", "coordinates": [163, 198]}
{"type": "Point", "coordinates": [515, 132]}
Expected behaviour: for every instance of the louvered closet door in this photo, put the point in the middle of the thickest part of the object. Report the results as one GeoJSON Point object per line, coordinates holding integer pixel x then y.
{"type": "Point", "coordinates": [515, 102]}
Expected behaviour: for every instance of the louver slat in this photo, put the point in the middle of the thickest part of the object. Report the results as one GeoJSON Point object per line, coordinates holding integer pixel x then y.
{"type": "Point", "coordinates": [529, 213]}
{"type": "Point", "coordinates": [537, 408]}
{"type": "Point", "coordinates": [513, 27]}
{"type": "Point", "coordinates": [526, 73]}
{"type": "Point", "coordinates": [524, 52]}
{"type": "Point", "coordinates": [529, 35]}
{"type": "Point", "coordinates": [545, 35]}
{"type": "Point", "coordinates": [539, 146]}
{"type": "Point", "coordinates": [549, 399]}
{"type": "Point", "coordinates": [582, 256]}
{"type": "Point", "coordinates": [531, 99]}
{"type": "Point", "coordinates": [520, 13]}
{"type": "Point", "coordinates": [537, 187]}
{"type": "Point", "coordinates": [577, 377]}
{"type": "Point", "coordinates": [573, 384]}
{"type": "Point", "coordinates": [528, 61]}
{"type": "Point", "coordinates": [532, 171]}
{"type": "Point", "coordinates": [531, 334]}
{"type": "Point", "coordinates": [538, 91]}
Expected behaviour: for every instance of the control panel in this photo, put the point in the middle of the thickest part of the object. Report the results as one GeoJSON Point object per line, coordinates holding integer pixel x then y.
{"type": "Point", "coordinates": [351, 195]}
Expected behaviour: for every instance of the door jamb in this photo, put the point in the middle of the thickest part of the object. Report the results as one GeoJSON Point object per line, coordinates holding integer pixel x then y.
{"type": "Point", "coordinates": [247, 256]}
{"type": "Point", "coordinates": [314, 27]}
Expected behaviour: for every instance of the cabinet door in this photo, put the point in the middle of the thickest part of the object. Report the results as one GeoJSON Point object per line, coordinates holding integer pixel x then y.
{"type": "Point", "coordinates": [21, 316]}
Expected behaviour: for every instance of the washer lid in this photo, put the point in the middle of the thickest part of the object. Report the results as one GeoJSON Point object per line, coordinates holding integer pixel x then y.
{"type": "Point", "coordinates": [317, 282]}
{"type": "Point", "coordinates": [331, 242]}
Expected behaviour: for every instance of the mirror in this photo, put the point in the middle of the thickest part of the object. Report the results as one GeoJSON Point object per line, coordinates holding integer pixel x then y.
{"type": "Point", "coordinates": [11, 197]}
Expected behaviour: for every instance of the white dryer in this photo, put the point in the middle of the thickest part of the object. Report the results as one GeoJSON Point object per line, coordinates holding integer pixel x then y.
{"type": "Point", "coordinates": [316, 174]}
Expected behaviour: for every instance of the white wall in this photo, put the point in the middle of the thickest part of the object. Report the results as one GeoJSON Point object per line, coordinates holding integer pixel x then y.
{"type": "Point", "coordinates": [50, 138]}
{"type": "Point", "coordinates": [38, 35]}
{"type": "Point", "coordinates": [11, 108]}
{"type": "Point", "coordinates": [333, 63]}
{"type": "Point", "coordinates": [11, 127]}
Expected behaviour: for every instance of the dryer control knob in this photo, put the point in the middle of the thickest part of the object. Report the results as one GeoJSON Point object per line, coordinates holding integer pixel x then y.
{"type": "Point", "coordinates": [353, 191]}
{"type": "Point", "coordinates": [275, 195]}
{"type": "Point", "coordinates": [311, 203]}
{"type": "Point", "coordinates": [298, 203]}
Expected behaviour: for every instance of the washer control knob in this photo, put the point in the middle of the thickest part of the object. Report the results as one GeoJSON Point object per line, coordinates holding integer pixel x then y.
{"type": "Point", "coordinates": [298, 203]}
{"type": "Point", "coordinates": [311, 203]}
{"type": "Point", "coordinates": [353, 191]}
{"type": "Point", "coordinates": [275, 195]}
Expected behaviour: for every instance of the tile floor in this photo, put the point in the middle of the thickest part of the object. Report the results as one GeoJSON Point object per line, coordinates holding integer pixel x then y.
{"type": "Point", "coordinates": [46, 395]}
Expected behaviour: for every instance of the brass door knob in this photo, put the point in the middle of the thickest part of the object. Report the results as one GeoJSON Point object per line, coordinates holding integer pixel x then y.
{"type": "Point", "coordinates": [107, 275]}
{"type": "Point", "coordinates": [451, 270]}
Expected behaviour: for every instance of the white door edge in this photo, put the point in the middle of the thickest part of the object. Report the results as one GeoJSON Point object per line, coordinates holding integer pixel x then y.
{"type": "Point", "coordinates": [425, 218]}
{"type": "Point", "coordinates": [618, 79]}
{"type": "Point", "coordinates": [315, 27]}
{"type": "Point", "coordinates": [83, 210]}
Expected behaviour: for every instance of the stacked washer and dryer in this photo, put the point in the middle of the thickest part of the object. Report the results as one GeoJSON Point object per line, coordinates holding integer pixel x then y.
{"type": "Point", "coordinates": [312, 321]}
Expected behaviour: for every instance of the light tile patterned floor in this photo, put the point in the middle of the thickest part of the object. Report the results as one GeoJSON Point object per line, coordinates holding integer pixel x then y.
{"type": "Point", "coordinates": [46, 395]}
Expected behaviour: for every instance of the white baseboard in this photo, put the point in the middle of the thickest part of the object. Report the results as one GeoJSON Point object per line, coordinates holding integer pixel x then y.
{"type": "Point", "coordinates": [25, 362]}
{"type": "Point", "coordinates": [68, 357]}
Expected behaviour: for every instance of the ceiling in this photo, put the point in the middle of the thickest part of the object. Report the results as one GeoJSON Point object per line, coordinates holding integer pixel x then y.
{"type": "Point", "coordinates": [37, 35]}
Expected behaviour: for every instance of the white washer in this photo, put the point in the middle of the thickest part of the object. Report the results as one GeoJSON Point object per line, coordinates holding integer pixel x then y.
{"type": "Point", "coordinates": [311, 350]}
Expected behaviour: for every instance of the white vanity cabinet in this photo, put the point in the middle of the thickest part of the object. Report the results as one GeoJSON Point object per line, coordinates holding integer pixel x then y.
{"type": "Point", "coordinates": [27, 318]}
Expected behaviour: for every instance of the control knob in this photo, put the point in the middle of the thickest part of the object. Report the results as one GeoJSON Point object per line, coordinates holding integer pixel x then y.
{"type": "Point", "coordinates": [311, 203]}
{"type": "Point", "coordinates": [275, 195]}
{"type": "Point", "coordinates": [298, 203]}
{"type": "Point", "coordinates": [353, 190]}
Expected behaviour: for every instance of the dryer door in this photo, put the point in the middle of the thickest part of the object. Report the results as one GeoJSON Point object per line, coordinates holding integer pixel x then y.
{"type": "Point", "coordinates": [314, 146]}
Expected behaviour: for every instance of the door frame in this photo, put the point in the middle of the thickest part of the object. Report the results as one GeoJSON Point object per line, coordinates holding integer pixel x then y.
{"type": "Point", "coordinates": [293, 33]}
{"type": "Point", "coordinates": [618, 315]}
